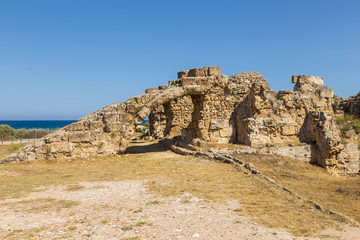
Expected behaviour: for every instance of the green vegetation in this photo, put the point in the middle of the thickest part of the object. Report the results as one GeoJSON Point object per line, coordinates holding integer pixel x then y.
{"type": "Point", "coordinates": [7, 133]}
{"type": "Point", "coordinates": [348, 122]}
{"type": "Point", "coordinates": [144, 129]}
{"type": "Point", "coordinates": [146, 124]}
{"type": "Point", "coordinates": [9, 149]}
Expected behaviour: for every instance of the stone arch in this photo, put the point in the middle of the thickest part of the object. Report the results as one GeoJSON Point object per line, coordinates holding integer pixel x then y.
{"type": "Point", "coordinates": [241, 108]}
{"type": "Point", "coordinates": [104, 132]}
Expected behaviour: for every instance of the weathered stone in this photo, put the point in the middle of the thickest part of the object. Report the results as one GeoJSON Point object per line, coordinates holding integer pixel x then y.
{"type": "Point", "coordinates": [182, 74]}
{"type": "Point", "coordinates": [150, 90]}
{"type": "Point", "coordinates": [217, 124]}
{"type": "Point", "coordinates": [350, 106]}
{"type": "Point", "coordinates": [211, 108]}
{"type": "Point", "coordinates": [302, 79]}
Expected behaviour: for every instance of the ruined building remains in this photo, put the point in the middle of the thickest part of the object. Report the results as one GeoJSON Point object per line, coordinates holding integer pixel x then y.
{"type": "Point", "coordinates": [204, 105]}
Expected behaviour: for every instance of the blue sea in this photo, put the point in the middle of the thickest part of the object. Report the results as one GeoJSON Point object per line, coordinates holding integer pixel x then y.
{"type": "Point", "coordinates": [30, 124]}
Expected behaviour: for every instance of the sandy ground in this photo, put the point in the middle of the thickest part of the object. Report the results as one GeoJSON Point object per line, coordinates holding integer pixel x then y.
{"type": "Point", "coordinates": [127, 210]}
{"type": "Point", "coordinates": [117, 210]}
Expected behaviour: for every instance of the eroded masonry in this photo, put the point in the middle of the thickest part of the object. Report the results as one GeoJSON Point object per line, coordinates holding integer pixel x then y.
{"type": "Point", "coordinates": [203, 105]}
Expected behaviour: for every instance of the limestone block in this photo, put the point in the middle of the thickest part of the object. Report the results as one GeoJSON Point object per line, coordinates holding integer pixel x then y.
{"type": "Point", "coordinates": [217, 124]}
{"type": "Point", "coordinates": [162, 87]}
{"type": "Point", "coordinates": [40, 148]}
{"type": "Point", "coordinates": [60, 147]}
{"type": "Point", "coordinates": [326, 93]}
{"type": "Point", "coordinates": [226, 133]}
{"type": "Point", "coordinates": [197, 72]}
{"type": "Point", "coordinates": [78, 137]}
{"type": "Point", "coordinates": [76, 126]}
{"type": "Point", "coordinates": [214, 70]}
{"type": "Point", "coordinates": [95, 125]}
{"type": "Point", "coordinates": [304, 79]}
{"type": "Point", "coordinates": [143, 113]}
{"type": "Point", "coordinates": [189, 81]}
{"type": "Point", "coordinates": [125, 117]}
{"type": "Point", "coordinates": [132, 108]}
{"type": "Point", "coordinates": [183, 74]}
{"type": "Point", "coordinates": [149, 90]}
{"type": "Point", "coordinates": [56, 136]}
{"type": "Point", "coordinates": [110, 117]}
{"type": "Point", "coordinates": [270, 94]}
{"type": "Point", "coordinates": [289, 130]}
{"type": "Point", "coordinates": [222, 140]}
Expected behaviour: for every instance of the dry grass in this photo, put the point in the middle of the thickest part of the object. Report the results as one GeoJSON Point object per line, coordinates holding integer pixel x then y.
{"type": "Point", "coordinates": [24, 234]}
{"type": "Point", "coordinates": [41, 204]}
{"type": "Point", "coordinates": [174, 175]}
{"type": "Point", "coordinates": [341, 194]}
{"type": "Point", "coordinates": [6, 149]}
{"type": "Point", "coordinates": [74, 187]}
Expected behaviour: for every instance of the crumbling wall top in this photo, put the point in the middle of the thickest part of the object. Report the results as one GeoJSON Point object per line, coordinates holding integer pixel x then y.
{"type": "Point", "coordinates": [304, 79]}
{"type": "Point", "coordinates": [200, 72]}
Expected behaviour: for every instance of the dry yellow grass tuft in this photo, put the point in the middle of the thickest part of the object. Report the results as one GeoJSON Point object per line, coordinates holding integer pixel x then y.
{"type": "Point", "coordinates": [341, 194]}
{"type": "Point", "coordinates": [41, 205]}
{"type": "Point", "coordinates": [168, 174]}
{"type": "Point", "coordinates": [6, 149]}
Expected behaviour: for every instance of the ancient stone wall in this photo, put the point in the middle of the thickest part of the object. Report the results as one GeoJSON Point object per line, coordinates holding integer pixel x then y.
{"type": "Point", "coordinates": [168, 119]}
{"type": "Point", "coordinates": [351, 105]}
{"type": "Point", "coordinates": [329, 149]}
{"type": "Point", "coordinates": [204, 105]}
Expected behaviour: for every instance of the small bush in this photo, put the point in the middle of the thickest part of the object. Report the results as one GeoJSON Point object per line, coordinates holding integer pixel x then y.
{"type": "Point", "coordinates": [357, 124]}
{"type": "Point", "coordinates": [146, 124]}
{"type": "Point", "coordinates": [359, 145]}
{"type": "Point", "coordinates": [348, 117]}
{"type": "Point", "coordinates": [13, 148]}
{"type": "Point", "coordinates": [143, 131]}
{"type": "Point", "coordinates": [339, 120]}
{"type": "Point", "coordinates": [345, 128]}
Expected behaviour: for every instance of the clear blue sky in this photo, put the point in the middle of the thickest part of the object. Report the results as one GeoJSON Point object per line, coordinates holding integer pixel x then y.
{"type": "Point", "coordinates": [63, 59]}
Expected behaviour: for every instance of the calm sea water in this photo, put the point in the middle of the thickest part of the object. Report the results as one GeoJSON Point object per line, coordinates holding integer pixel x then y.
{"type": "Point", "coordinates": [45, 124]}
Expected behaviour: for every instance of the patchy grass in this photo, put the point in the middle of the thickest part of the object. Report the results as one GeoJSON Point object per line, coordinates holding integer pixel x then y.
{"type": "Point", "coordinates": [131, 238]}
{"type": "Point", "coordinates": [41, 204]}
{"type": "Point", "coordinates": [312, 182]}
{"type": "Point", "coordinates": [153, 202]}
{"type": "Point", "coordinates": [347, 122]}
{"type": "Point", "coordinates": [128, 227]}
{"type": "Point", "coordinates": [138, 210]}
{"type": "Point", "coordinates": [74, 187]}
{"type": "Point", "coordinates": [24, 234]}
{"type": "Point", "coordinates": [168, 174]}
{"type": "Point", "coordinates": [6, 149]}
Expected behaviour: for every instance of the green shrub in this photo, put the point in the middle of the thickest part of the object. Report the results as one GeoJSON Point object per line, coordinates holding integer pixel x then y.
{"type": "Point", "coordinates": [348, 117]}
{"type": "Point", "coordinates": [146, 124]}
{"type": "Point", "coordinates": [359, 145]}
{"type": "Point", "coordinates": [143, 131]}
{"type": "Point", "coordinates": [356, 124]}
{"type": "Point", "coordinates": [6, 133]}
{"type": "Point", "coordinates": [345, 128]}
{"type": "Point", "coordinates": [339, 120]}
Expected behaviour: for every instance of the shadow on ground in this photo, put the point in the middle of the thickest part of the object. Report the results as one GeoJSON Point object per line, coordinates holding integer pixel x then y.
{"type": "Point", "coordinates": [152, 147]}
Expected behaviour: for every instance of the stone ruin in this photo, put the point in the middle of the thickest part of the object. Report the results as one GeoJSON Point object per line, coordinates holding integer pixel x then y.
{"type": "Point", "coordinates": [205, 106]}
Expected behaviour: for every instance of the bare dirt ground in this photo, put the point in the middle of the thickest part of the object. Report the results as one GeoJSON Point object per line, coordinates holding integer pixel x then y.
{"type": "Point", "coordinates": [140, 202]}
{"type": "Point", "coordinates": [125, 209]}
